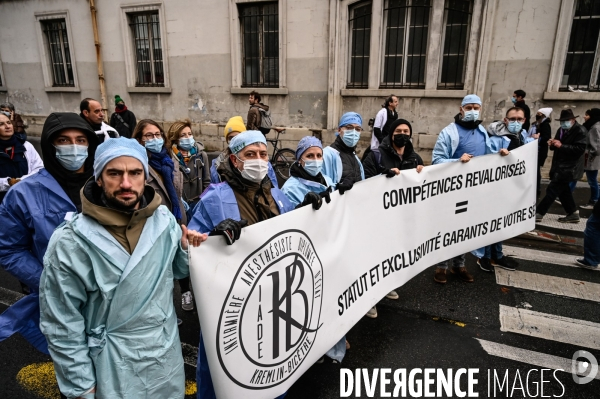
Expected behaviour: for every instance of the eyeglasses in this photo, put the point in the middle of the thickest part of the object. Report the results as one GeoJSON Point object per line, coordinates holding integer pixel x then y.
{"type": "Point", "coordinates": [350, 127]}
{"type": "Point", "coordinates": [520, 120]}
{"type": "Point", "coordinates": [151, 136]}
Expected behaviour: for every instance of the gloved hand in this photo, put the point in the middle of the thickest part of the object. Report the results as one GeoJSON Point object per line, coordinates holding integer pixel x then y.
{"type": "Point", "coordinates": [326, 195]}
{"type": "Point", "coordinates": [311, 198]}
{"type": "Point", "coordinates": [344, 186]}
{"type": "Point", "coordinates": [388, 173]}
{"type": "Point", "coordinates": [230, 229]}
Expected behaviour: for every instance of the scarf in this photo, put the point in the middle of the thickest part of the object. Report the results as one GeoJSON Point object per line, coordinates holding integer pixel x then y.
{"type": "Point", "coordinates": [163, 164]}
{"type": "Point", "coordinates": [121, 110]}
{"type": "Point", "coordinates": [183, 160]}
{"type": "Point", "coordinates": [467, 125]}
{"type": "Point", "coordinates": [594, 114]}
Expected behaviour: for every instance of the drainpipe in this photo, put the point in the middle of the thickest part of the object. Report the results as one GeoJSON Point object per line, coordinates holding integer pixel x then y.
{"type": "Point", "coordinates": [99, 60]}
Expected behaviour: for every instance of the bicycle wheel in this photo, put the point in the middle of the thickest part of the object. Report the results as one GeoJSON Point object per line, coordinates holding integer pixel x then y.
{"type": "Point", "coordinates": [282, 162]}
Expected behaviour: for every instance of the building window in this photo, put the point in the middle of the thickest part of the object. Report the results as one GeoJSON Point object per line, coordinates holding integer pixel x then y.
{"type": "Point", "coordinates": [406, 33]}
{"type": "Point", "coordinates": [360, 45]}
{"type": "Point", "coordinates": [149, 68]}
{"type": "Point", "coordinates": [57, 44]}
{"type": "Point", "coordinates": [259, 27]}
{"type": "Point", "coordinates": [457, 27]}
{"type": "Point", "coordinates": [583, 53]}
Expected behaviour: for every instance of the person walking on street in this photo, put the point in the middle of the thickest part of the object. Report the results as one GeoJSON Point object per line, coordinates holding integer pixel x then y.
{"type": "Point", "coordinates": [591, 241]}
{"type": "Point", "coordinates": [569, 146]}
{"type": "Point", "coordinates": [32, 209]}
{"type": "Point", "coordinates": [460, 141]}
{"type": "Point", "coordinates": [592, 154]}
{"type": "Point", "coordinates": [106, 292]}
{"type": "Point", "coordinates": [254, 120]}
{"type": "Point", "coordinates": [246, 196]}
{"type": "Point", "coordinates": [16, 119]}
{"type": "Point", "coordinates": [518, 100]}
{"type": "Point", "coordinates": [383, 120]}
{"type": "Point", "coordinates": [18, 158]}
{"type": "Point", "coordinates": [542, 132]}
{"type": "Point", "coordinates": [122, 120]}
{"type": "Point", "coordinates": [92, 112]}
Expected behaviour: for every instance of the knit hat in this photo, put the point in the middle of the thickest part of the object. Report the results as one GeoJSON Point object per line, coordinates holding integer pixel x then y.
{"type": "Point", "coordinates": [118, 99]}
{"type": "Point", "coordinates": [305, 143]}
{"type": "Point", "coordinates": [244, 139]}
{"type": "Point", "coordinates": [235, 124]}
{"type": "Point", "coordinates": [119, 147]}
{"type": "Point", "coordinates": [350, 118]}
{"type": "Point", "coordinates": [399, 122]}
{"type": "Point", "coordinates": [471, 99]}
{"type": "Point", "coordinates": [545, 111]}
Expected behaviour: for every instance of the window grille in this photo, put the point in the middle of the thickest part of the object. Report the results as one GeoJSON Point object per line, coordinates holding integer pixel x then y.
{"type": "Point", "coordinates": [457, 26]}
{"type": "Point", "coordinates": [360, 45]}
{"type": "Point", "coordinates": [260, 44]}
{"type": "Point", "coordinates": [57, 43]}
{"type": "Point", "coordinates": [406, 33]}
{"type": "Point", "coordinates": [145, 28]}
{"type": "Point", "coordinates": [583, 54]}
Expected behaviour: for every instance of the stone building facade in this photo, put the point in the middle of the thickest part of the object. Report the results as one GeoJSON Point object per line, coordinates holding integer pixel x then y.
{"type": "Point", "coordinates": [311, 60]}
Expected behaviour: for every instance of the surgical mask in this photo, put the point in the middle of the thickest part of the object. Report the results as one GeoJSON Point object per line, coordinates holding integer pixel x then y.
{"type": "Point", "coordinates": [71, 156]}
{"type": "Point", "coordinates": [400, 140]}
{"type": "Point", "coordinates": [351, 138]}
{"type": "Point", "coordinates": [471, 116]}
{"type": "Point", "coordinates": [515, 127]}
{"type": "Point", "coordinates": [186, 143]}
{"type": "Point", "coordinates": [514, 100]}
{"type": "Point", "coordinates": [313, 168]}
{"type": "Point", "coordinates": [255, 170]}
{"type": "Point", "coordinates": [566, 125]}
{"type": "Point", "coordinates": [154, 145]}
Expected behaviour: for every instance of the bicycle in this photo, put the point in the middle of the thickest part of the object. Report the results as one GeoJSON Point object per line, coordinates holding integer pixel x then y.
{"type": "Point", "coordinates": [282, 158]}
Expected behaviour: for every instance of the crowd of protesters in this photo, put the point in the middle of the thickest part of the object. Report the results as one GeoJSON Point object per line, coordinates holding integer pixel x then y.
{"type": "Point", "coordinates": [97, 232]}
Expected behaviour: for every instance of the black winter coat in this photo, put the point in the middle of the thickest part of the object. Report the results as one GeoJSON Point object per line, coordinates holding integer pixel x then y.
{"type": "Point", "coordinates": [545, 132]}
{"type": "Point", "coordinates": [566, 159]}
{"type": "Point", "coordinates": [350, 164]}
{"type": "Point", "coordinates": [527, 111]}
{"type": "Point", "coordinates": [390, 159]}
{"type": "Point", "coordinates": [128, 118]}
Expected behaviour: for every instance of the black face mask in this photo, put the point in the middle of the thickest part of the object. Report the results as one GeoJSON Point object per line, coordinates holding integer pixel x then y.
{"type": "Point", "coordinates": [400, 140]}
{"type": "Point", "coordinates": [539, 117]}
{"type": "Point", "coordinates": [120, 106]}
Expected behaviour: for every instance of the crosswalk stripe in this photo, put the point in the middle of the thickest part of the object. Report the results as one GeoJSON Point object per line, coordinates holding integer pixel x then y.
{"type": "Point", "coordinates": [549, 284]}
{"type": "Point", "coordinates": [534, 358]}
{"type": "Point", "coordinates": [8, 297]}
{"type": "Point", "coordinates": [581, 333]}
{"type": "Point", "coordinates": [541, 256]}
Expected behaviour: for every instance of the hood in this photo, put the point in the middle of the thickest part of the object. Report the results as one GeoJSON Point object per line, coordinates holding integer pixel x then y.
{"type": "Point", "coordinates": [234, 178]}
{"type": "Point", "coordinates": [499, 129]}
{"type": "Point", "coordinates": [261, 105]}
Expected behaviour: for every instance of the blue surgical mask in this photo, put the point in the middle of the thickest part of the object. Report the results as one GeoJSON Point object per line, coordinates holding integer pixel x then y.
{"type": "Point", "coordinates": [471, 116]}
{"type": "Point", "coordinates": [351, 138]}
{"type": "Point", "coordinates": [514, 100]}
{"type": "Point", "coordinates": [515, 127]}
{"type": "Point", "coordinates": [154, 145]}
{"type": "Point", "coordinates": [71, 156]}
{"type": "Point", "coordinates": [313, 168]}
{"type": "Point", "coordinates": [566, 125]}
{"type": "Point", "coordinates": [186, 143]}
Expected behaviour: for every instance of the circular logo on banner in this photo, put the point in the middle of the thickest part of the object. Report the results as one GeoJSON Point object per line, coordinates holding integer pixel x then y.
{"type": "Point", "coordinates": [270, 318]}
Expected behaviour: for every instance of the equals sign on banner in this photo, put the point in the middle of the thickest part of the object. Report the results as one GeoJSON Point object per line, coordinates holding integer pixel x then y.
{"type": "Point", "coordinates": [461, 207]}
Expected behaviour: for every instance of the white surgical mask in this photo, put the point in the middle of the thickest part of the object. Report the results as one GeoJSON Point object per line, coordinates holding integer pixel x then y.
{"type": "Point", "coordinates": [313, 167]}
{"type": "Point", "coordinates": [71, 156]}
{"type": "Point", "coordinates": [471, 116]}
{"type": "Point", "coordinates": [255, 170]}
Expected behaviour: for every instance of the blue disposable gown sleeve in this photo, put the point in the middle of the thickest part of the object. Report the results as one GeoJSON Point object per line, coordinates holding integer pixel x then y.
{"type": "Point", "coordinates": [294, 191]}
{"type": "Point", "coordinates": [16, 241]}
{"type": "Point", "coordinates": [272, 176]}
{"type": "Point", "coordinates": [181, 265]}
{"type": "Point", "coordinates": [442, 151]}
{"type": "Point", "coordinates": [62, 296]}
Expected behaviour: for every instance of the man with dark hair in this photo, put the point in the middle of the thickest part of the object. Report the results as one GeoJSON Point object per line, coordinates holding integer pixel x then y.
{"type": "Point", "coordinates": [92, 112]}
{"type": "Point", "coordinates": [383, 120]}
{"type": "Point", "coordinates": [254, 113]}
{"type": "Point", "coordinates": [518, 99]}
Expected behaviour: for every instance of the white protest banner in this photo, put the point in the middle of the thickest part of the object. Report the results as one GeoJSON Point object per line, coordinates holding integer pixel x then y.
{"type": "Point", "coordinates": [275, 301]}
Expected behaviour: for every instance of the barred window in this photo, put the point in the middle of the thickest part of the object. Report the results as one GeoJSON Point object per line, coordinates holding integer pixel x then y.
{"type": "Point", "coordinates": [457, 27]}
{"type": "Point", "coordinates": [57, 43]}
{"type": "Point", "coordinates": [360, 45]}
{"type": "Point", "coordinates": [583, 54]}
{"type": "Point", "coordinates": [145, 28]}
{"type": "Point", "coordinates": [406, 33]}
{"type": "Point", "coordinates": [260, 44]}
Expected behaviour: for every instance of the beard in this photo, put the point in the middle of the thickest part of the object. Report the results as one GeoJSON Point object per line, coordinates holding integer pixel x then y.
{"type": "Point", "coordinates": [120, 204]}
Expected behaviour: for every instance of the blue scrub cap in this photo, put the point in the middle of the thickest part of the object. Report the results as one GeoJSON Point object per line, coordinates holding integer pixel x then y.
{"type": "Point", "coordinates": [119, 147]}
{"type": "Point", "coordinates": [471, 99]}
{"type": "Point", "coordinates": [350, 118]}
{"type": "Point", "coordinates": [244, 139]}
{"type": "Point", "coordinates": [305, 143]}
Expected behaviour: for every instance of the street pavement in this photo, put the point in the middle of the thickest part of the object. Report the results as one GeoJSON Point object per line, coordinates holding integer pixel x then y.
{"type": "Point", "coordinates": [505, 324]}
